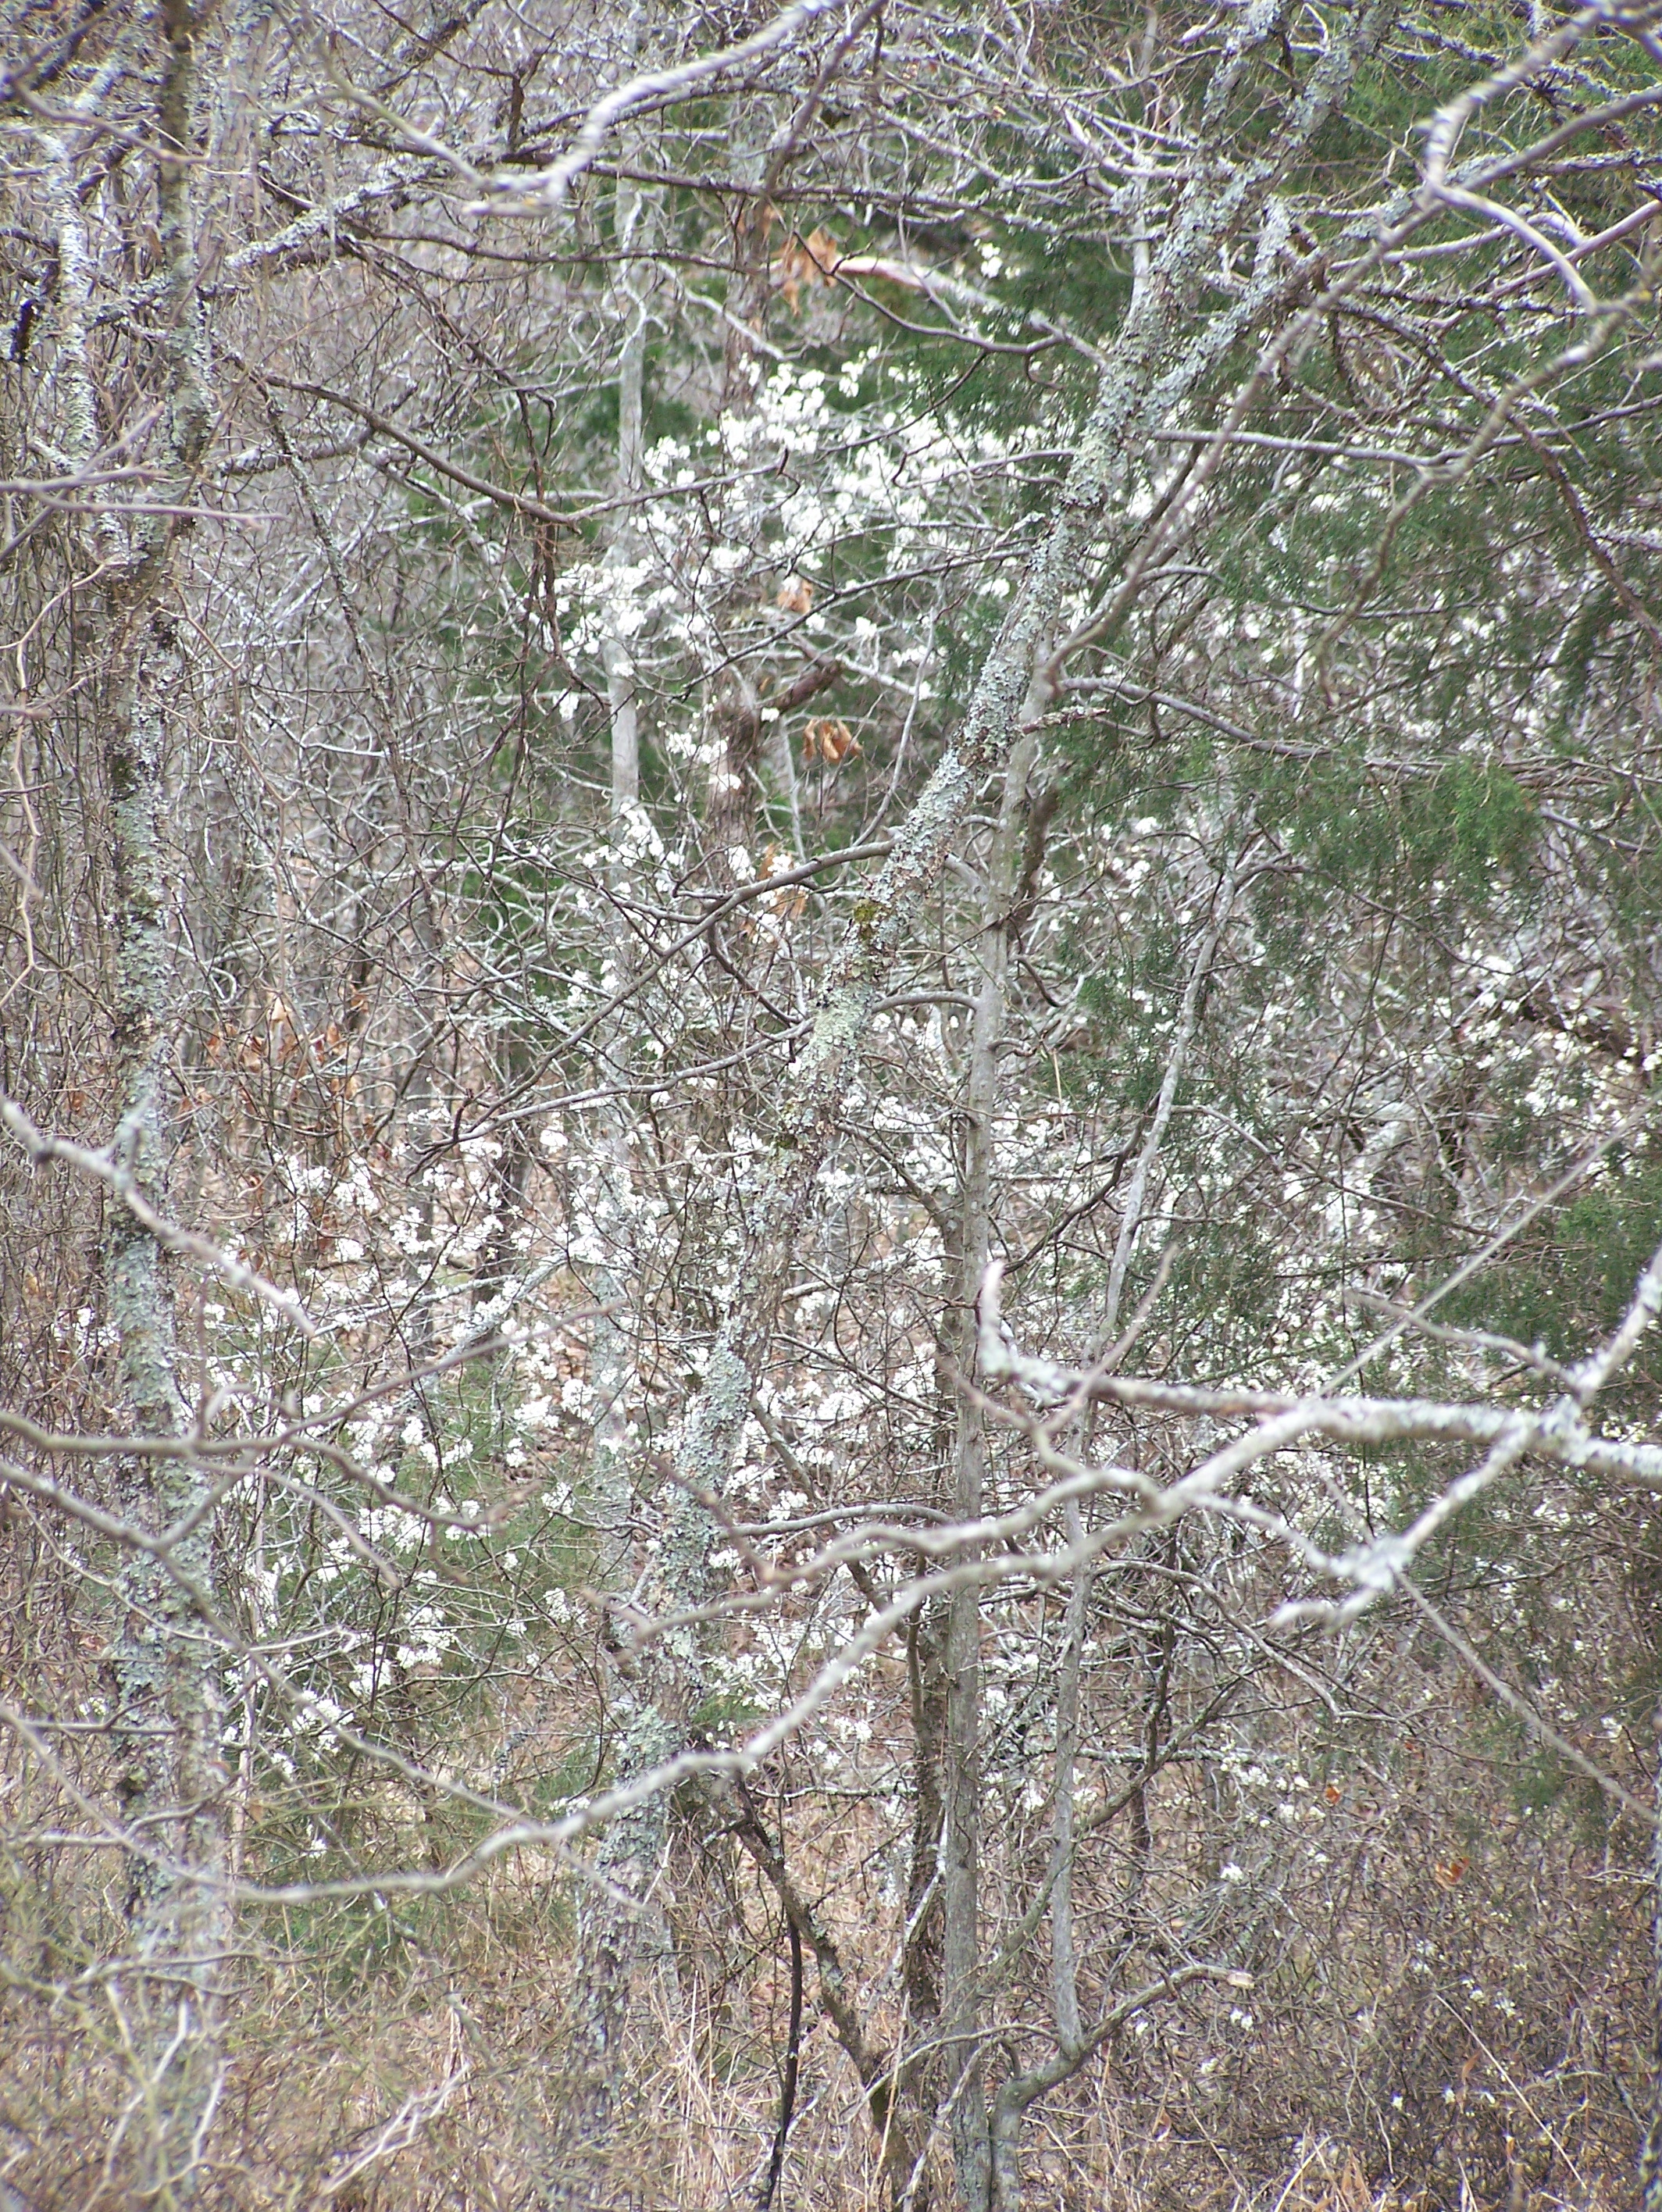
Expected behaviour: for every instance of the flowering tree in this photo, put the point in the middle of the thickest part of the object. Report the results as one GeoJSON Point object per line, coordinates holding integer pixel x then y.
{"type": "Point", "coordinates": [828, 1022]}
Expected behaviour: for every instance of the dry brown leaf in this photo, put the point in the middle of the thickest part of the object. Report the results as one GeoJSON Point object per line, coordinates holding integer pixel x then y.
{"type": "Point", "coordinates": [791, 899]}
{"type": "Point", "coordinates": [1353, 2194]}
{"type": "Point", "coordinates": [805, 262]}
{"type": "Point", "coordinates": [828, 738]}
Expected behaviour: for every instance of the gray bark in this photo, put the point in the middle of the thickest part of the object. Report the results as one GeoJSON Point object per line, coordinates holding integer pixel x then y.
{"type": "Point", "coordinates": [1650, 2155]}
{"type": "Point", "coordinates": [960, 1840]}
{"type": "Point", "coordinates": [1064, 1959]}
{"type": "Point", "coordinates": [622, 1933]}
{"type": "Point", "coordinates": [165, 1662]}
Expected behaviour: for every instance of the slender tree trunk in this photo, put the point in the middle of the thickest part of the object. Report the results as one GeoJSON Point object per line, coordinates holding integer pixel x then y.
{"type": "Point", "coordinates": [1650, 2156]}
{"type": "Point", "coordinates": [735, 708]}
{"type": "Point", "coordinates": [622, 1933]}
{"type": "Point", "coordinates": [168, 1718]}
{"type": "Point", "coordinates": [1010, 2107]}
{"type": "Point", "coordinates": [613, 1362]}
{"type": "Point", "coordinates": [1063, 1957]}
{"type": "Point", "coordinates": [961, 1851]}
{"type": "Point", "coordinates": [920, 1948]}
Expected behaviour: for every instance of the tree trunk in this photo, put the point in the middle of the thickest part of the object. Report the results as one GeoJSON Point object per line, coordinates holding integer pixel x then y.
{"type": "Point", "coordinates": [1650, 2156]}
{"type": "Point", "coordinates": [165, 1662]}
{"type": "Point", "coordinates": [168, 1711]}
{"type": "Point", "coordinates": [622, 1934]}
